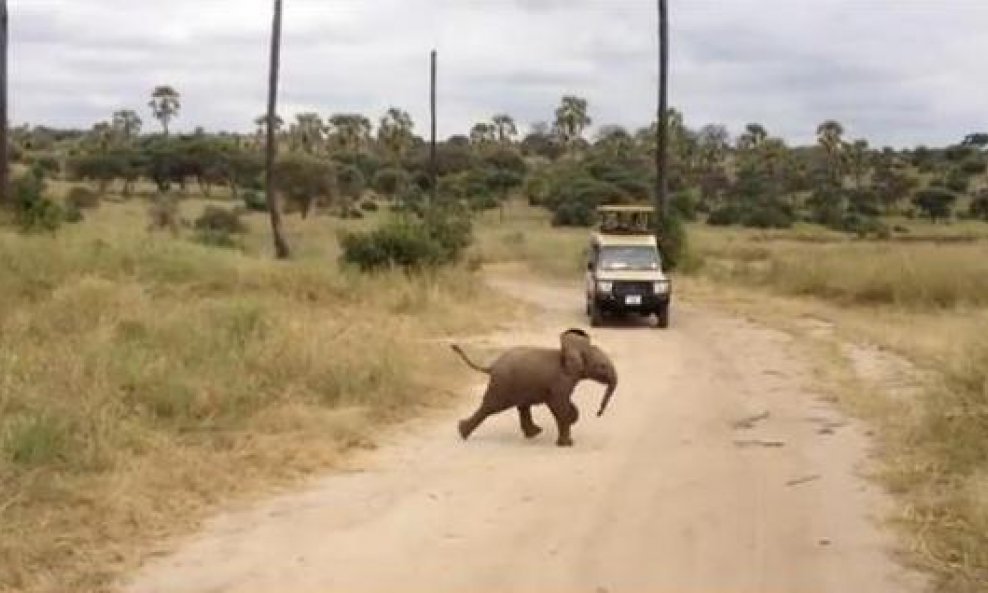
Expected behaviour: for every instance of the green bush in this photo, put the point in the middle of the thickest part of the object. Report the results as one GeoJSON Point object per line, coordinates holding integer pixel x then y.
{"type": "Point", "coordinates": [573, 214]}
{"type": "Point", "coordinates": [255, 200]}
{"type": "Point", "coordinates": [724, 216]}
{"type": "Point", "coordinates": [672, 241]}
{"type": "Point", "coordinates": [399, 243]}
{"type": "Point", "coordinates": [369, 206]}
{"type": "Point", "coordinates": [440, 237]}
{"type": "Point", "coordinates": [34, 211]}
{"type": "Point", "coordinates": [763, 216]}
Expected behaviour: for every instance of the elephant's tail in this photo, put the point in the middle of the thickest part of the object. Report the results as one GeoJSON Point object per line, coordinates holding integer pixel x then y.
{"type": "Point", "coordinates": [470, 363]}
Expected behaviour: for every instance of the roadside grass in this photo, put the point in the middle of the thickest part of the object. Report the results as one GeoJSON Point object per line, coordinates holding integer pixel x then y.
{"type": "Point", "coordinates": [146, 379]}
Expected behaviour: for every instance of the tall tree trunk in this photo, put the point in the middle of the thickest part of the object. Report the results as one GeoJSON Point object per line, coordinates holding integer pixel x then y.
{"type": "Point", "coordinates": [662, 133]}
{"type": "Point", "coordinates": [432, 144]}
{"type": "Point", "coordinates": [280, 246]}
{"type": "Point", "coordinates": [4, 156]}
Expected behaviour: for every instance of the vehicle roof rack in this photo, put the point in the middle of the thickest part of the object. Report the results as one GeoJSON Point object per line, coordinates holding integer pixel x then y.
{"type": "Point", "coordinates": [625, 220]}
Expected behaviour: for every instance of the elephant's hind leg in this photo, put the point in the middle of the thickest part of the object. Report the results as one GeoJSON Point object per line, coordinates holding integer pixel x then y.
{"type": "Point", "coordinates": [528, 427]}
{"type": "Point", "coordinates": [468, 425]}
{"type": "Point", "coordinates": [562, 411]}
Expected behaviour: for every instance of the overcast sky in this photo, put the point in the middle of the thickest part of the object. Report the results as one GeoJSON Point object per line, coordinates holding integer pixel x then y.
{"type": "Point", "coordinates": [899, 72]}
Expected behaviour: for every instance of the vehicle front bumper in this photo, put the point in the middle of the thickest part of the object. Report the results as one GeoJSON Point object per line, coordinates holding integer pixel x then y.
{"type": "Point", "coordinates": [638, 303]}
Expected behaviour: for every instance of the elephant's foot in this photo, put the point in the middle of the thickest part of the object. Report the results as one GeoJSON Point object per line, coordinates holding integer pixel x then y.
{"type": "Point", "coordinates": [464, 429]}
{"type": "Point", "coordinates": [564, 442]}
{"type": "Point", "coordinates": [531, 431]}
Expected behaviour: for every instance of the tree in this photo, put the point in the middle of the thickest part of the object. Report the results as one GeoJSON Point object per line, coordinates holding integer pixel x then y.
{"type": "Point", "coordinates": [978, 140]}
{"type": "Point", "coordinates": [615, 142]}
{"type": "Point", "coordinates": [390, 182]}
{"type": "Point", "coordinates": [935, 202]}
{"type": "Point", "coordinates": [101, 136]}
{"type": "Point", "coordinates": [395, 133]}
{"type": "Point", "coordinates": [127, 124]}
{"type": "Point", "coordinates": [859, 161]}
{"type": "Point", "coordinates": [752, 137]}
{"type": "Point", "coordinates": [4, 122]}
{"type": "Point", "coordinates": [505, 128]}
{"type": "Point", "coordinates": [572, 118]}
{"type": "Point", "coordinates": [165, 104]}
{"type": "Point", "coordinates": [829, 135]}
{"type": "Point", "coordinates": [280, 246]}
{"type": "Point", "coordinates": [351, 131]}
{"type": "Point", "coordinates": [482, 134]}
{"type": "Point", "coordinates": [307, 132]}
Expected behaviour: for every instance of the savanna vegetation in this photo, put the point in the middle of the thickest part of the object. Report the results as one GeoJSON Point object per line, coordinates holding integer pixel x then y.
{"type": "Point", "coordinates": [155, 360]}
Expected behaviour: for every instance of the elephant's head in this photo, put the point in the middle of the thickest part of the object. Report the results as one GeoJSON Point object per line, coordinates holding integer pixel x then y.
{"type": "Point", "coordinates": [584, 360]}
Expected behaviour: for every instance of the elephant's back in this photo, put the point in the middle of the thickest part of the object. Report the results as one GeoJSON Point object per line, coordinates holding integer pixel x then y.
{"type": "Point", "coordinates": [524, 368]}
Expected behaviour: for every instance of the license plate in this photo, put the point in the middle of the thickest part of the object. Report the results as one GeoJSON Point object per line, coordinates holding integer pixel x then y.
{"type": "Point", "coordinates": [633, 299]}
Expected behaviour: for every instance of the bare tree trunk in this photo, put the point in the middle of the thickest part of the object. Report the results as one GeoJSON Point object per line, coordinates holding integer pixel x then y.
{"type": "Point", "coordinates": [432, 145]}
{"type": "Point", "coordinates": [4, 156]}
{"type": "Point", "coordinates": [661, 152]}
{"type": "Point", "coordinates": [280, 246]}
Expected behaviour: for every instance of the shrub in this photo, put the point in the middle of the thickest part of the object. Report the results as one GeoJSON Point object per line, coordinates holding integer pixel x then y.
{"type": "Point", "coordinates": [573, 214]}
{"type": "Point", "coordinates": [438, 238]}
{"type": "Point", "coordinates": [685, 205]}
{"type": "Point", "coordinates": [398, 243]}
{"type": "Point", "coordinates": [766, 217]}
{"type": "Point", "coordinates": [979, 206]}
{"type": "Point", "coordinates": [221, 220]}
{"type": "Point", "coordinates": [724, 216]}
{"type": "Point", "coordinates": [82, 198]}
{"type": "Point", "coordinates": [369, 206]}
{"type": "Point", "coordinates": [672, 240]}
{"type": "Point", "coordinates": [72, 214]}
{"type": "Point", "coordinates": [255, 200]}
{"type": "Point", "coordinates": [34, 211]}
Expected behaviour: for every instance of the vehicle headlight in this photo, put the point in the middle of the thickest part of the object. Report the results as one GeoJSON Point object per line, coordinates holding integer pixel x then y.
{"type": "Point", "coordinates": [605, 286]}
{"type": "Point", "coordinates": [662, 287]}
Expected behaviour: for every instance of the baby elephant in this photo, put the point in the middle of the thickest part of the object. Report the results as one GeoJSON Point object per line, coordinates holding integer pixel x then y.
{"type": "Point", "coordinates": [526, 376]}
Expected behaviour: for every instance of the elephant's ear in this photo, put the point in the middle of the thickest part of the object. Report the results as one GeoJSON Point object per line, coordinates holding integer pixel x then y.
{"type": "Point", "coordinates": [574, 343]}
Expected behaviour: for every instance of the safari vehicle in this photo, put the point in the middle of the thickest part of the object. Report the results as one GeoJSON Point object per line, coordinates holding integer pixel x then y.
{"type": "Point", "coordinates": [624, 267]}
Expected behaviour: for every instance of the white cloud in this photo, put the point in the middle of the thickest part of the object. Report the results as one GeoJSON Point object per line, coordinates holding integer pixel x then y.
{"type": "Point", "coordinates": [896, 72]}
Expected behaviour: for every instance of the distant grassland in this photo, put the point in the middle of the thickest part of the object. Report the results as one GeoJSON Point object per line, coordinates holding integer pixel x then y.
{"type": "Point", "coordinates": [145, 379]}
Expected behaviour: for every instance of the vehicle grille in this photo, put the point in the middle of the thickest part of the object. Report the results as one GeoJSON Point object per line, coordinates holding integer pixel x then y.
{"type": "Point", "coordinates": [625, 288]}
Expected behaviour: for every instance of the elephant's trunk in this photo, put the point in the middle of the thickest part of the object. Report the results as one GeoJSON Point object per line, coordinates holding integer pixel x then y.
{"type": "Point", "coordinates": [607, 397]}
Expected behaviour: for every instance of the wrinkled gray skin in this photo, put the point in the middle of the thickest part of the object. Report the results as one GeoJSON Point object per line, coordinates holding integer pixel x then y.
{"type": "Point", "coordinates": [526, 376]}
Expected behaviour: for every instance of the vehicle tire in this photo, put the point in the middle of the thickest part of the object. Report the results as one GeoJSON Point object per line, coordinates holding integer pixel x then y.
{"type": "Point", "coordinates": [596, 317]}
{"type": "Point", "coordinates": [662, 317]}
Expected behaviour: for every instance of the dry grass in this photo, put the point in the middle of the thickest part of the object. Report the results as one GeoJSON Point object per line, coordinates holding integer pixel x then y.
{"type": "Point", "coordinates": [914, 275]}
{"type": "Point", "coordinates": [145, 380]}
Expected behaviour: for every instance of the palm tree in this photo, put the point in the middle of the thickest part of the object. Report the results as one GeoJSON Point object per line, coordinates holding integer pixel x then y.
{"type": "Point", "coordinates": [505, 127]}
{"type": "Point", "coordinates": [572, 118]}
{"type": "Point", "coordinates": [127, 124]}
{"type": "Point", "coordinates": [859, 160]}
{"type": "Point", "coordinates": [662, 133]}
{"type": "Point", "coordinates": [165, 104]}
{"type": "Point", "coordinates": [395, 132]}
{"type": "Point", "coordinates": [351, 130]}
{"type": "Point", "coordinates": [280, 246]}
{"type": "Point", "coordinates": [829, 135]}
{"type": "Point", "coordinates": [307, 132]}
{"type": "Point", "coordinates": [4, 170]}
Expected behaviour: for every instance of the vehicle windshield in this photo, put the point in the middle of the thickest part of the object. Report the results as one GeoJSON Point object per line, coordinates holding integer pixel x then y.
{"type": "Point", "coordinates": [629, 258]}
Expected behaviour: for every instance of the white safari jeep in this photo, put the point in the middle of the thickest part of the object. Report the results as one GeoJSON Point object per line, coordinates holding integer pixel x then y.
{"type": "Point", "coordinates": [624, 267]}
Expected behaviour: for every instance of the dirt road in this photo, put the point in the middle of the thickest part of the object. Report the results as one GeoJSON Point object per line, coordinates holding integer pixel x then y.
{"type": "Point", "coordinates": [714, 470]}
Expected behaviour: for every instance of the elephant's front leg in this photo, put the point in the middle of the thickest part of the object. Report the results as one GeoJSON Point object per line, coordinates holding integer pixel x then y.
{"type": "Point", "coordinates": [528, 427]}
{"type": "Point", "coordinates": [561, 409]}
